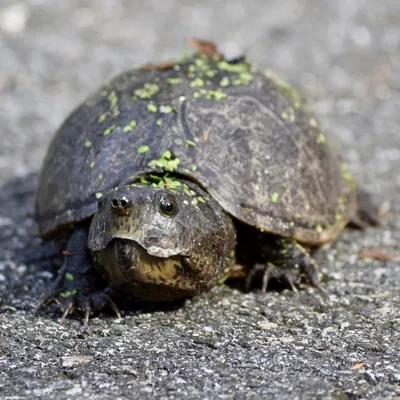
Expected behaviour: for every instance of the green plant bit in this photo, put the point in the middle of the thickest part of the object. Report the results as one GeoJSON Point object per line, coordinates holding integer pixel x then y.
{"type": "Point", "coordinates": [69, 276]}
{"type": "Point", "coordinates": [156, 178]}
{"type": "Point", "coordinates": [274, 197]}
{"type": "Point", "coordinates": [98, 195]}
{"type": "Point", "coordinates": [88, 144]}
{"type": "Point", "coordinates": [144, 181]}
{"type": "Point", "coordinates": [102, 118]}
{"type": "Point", "coordinates": [174, 81]}
{"type": "Point", "coordinates": [143, 149]}
{"type": "Point", "coordinates": [165, 162]}
{"type": "Point", "coordinates": [286, 89]}
{"type": "Point", "coordinates": [109, 130]}
{"type": "Point", "coordinates": [68, 293]}
{"type": "Point", "coordinates": [224, 279]}
{"type": "Point", "coordinates": [130, 127]}
{"type": "Point", "coordinates": [210, 94]}
{"type": "Point", "coordinates": [319, 229]}
{"type": "Point", "coordinates": [147, 92]}
{"type": "Point", "coordinates": [339, 217]}
{"type": "Point", "coordinates": [235, 68]}
{"type": "Point", "coordinates": [113, 100]}
{"type": "Point", "coordinates": [224, 82]}
{"type": "Point", "coordinates": [244, 79]}
{"type": "Point", "coordinates": [321, 138]}
{"type": "Point", "coordinates": [190, 143]}
{"type": "Point", "coordinates": [197, 82]}
{"type": "Point", "coordinates": [288, 115]}
{"type": "Point", "coordinates": [345, 173]}
{"type": "Point", "coordinates": [167, 109]}
{"type": "Point", "coordinates": [152, 108]}
{"type": "Point", "coordinates": [164, 182]}
{"type": "Point", "coordinates": [210, 73]}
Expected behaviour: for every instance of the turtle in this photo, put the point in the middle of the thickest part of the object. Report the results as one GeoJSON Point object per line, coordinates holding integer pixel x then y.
{"type": "Point", "coordinates": [173, 177]}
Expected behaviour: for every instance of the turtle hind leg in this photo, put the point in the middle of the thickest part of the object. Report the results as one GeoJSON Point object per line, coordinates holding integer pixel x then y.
{"type": "Point", "coordinates": [273, 258]}
{"type": "Point", "coordinates": [369, 213]}
{"type": "Point", "coordinates": [286, 262]}
{"type": "Point", "coordinates": [78, 284]}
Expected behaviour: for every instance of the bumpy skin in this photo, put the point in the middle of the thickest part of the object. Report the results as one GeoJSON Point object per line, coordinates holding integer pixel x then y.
{"type": "Point", "coordinates": [253, 145]}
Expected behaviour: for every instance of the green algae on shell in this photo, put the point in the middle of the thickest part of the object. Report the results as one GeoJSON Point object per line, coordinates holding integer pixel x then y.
{"type": "Point", "coordinates": [287, 89]}
{"type": "Point", "coordinates": [143, 149]}
{"type": "Point", "coordinates": [109, 130]}
{"type": "Point", "coordinates": [147, 92]}
{"type": "Point", "coordinates": [152, 107]}
{"type": "Point", "coordinates": [129, 127]}
{"type": "Point", "coordinates": [216, 94]}
{"type": "Point", "coordinates": [166, 162]}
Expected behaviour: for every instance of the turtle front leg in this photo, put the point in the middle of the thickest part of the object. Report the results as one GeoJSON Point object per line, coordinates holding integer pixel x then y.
{"type": "Point", "coordinates": [286, 261]}
{"type": "Point", "coordinates": [78, 284]}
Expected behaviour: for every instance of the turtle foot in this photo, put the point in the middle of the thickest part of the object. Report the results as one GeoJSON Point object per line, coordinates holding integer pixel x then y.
{"type": "Point", "coordinates": [293, 266]}
{"type": "Point", "coordinates": [71, 300]}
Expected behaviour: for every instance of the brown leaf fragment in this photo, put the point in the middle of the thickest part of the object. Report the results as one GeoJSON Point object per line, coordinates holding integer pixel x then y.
{"type": "Point", "coordinates": [358, 366]}
{"type": "Point", "coordinates": [162, 66]}
{"type": "Point", "coordinates": [205, 136]}
{"type": "Point", "coordinates": [377, 254]}
{"type": "Point", "coordinates": [204, 46]}
{"type": "Point", "coordinates": [66, 253]}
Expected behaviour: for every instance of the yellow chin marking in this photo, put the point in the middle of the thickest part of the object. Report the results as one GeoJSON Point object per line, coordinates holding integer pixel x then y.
{"type": "Point", "coordinates": [159, 270]}
{"type": "Point", "coordinates": [133, 263]}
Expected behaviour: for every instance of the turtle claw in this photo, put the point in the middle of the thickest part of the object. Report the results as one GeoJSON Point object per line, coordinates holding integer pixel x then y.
{"type": "Point", "coordinates": [86, 318]}
{"type": "Point", "coordinates": [67, 311]}
{"type": "Point", "coordinates": [88, 303]}
{"type": "Point", "coordinates": [290, 267]}
{"type": "Point", "coordinates": [252, 275]}
{"type": "Point", "coordinates": [270, 271]}
{"type": "Point", "coordinates": [115, 309]}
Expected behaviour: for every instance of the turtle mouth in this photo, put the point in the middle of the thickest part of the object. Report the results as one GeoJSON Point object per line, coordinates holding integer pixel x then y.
{"type": "Point", "coordinates": [126, 260]}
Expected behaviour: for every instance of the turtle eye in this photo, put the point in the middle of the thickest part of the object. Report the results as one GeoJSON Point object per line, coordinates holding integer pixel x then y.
{"type": "Point", "coordinates": [168, 205]}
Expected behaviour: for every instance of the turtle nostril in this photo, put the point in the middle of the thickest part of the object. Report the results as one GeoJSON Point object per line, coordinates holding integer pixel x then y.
{"type": "Point", "coordinates": [115, 203]}
{"type": "Point", "coordinates": [120, 203]}
{"type": "Point", "coordinates": [123, 202]}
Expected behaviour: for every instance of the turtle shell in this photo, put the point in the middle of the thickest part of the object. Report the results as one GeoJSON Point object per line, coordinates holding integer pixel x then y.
{"type": "Point", "coordinates": [245, 136]}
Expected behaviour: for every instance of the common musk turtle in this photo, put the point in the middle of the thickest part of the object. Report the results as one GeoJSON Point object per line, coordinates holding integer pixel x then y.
{"type": "Point", "coordinates": [173, 176]}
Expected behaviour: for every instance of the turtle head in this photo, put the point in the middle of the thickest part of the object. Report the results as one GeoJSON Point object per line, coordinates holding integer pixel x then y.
{"type": "Point", "coordinates": [171, 238]}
